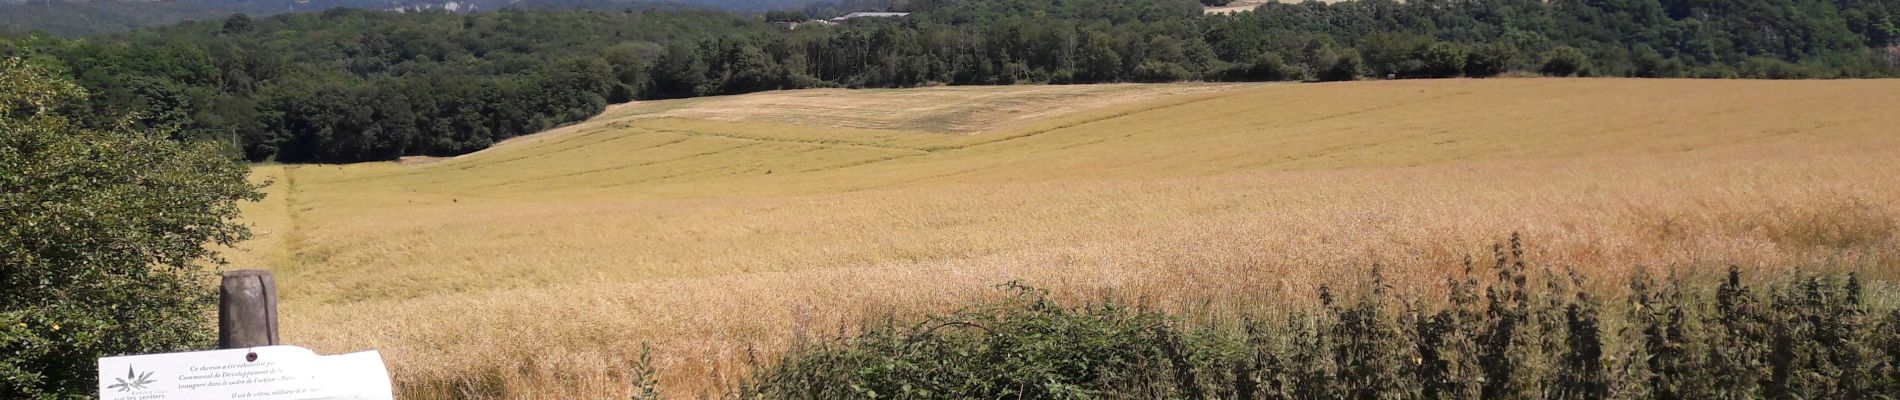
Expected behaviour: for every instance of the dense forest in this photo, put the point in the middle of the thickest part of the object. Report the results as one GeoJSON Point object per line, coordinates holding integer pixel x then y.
{"type": "Point", "coordinates": [81, 18]}
{"type": "Point", "coordinates": [352, 85]}
{"type": "Point", "coordinates": [76, 19]}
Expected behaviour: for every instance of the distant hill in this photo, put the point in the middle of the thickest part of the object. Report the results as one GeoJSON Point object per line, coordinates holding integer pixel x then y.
{"type": "Point", "coordinates": [67, 18]}
{"type": "Point", "coordinates": [74, 19]}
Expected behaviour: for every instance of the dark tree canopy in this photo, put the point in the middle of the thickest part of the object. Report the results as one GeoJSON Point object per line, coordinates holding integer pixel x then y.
{"type": "Point", "coordinates": [1565, 61]}
{"type": "Point", "coordinates": [82, 18]}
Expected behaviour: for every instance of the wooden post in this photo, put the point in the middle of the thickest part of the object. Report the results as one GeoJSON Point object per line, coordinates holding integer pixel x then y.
{"type": "Point", "coordinates": [247, 310]}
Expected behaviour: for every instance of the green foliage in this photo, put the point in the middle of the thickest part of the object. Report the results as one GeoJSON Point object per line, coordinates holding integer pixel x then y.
{"type": "Point", "coordinates": [1525, 332]}
{"type": "Point", "coordinates": [646, 382]}
{"type": "Point", "coordinates": [86, 18]}
{"type": "Point", "coordinates": [74, 19]}
{"type": "Point", "coordinates": [1270, 67]}
{"type": "Point", "coordinates": [1565, 61]}
{"type": "Point", "coordinates": [1394, 54]}
{"type": "Point", "coordinates": [1098, 62]}
{"type": "Point", "coordinates": [238, 24]}
{"type": "Point", "coordinates": [1489, 60]}
{"type": "Point", "coordinates": [1771, 68]}
{"type": "Point", "coordinates": [103, 235]}
{"type": "Point", "coordinates": [1161, 71]}
{"type": "Point", "coordinates": [1441, 60]}
{"type": "Point", "coordinates": [1648, 63]}
{"type": "Point", "coordinates": [679, 72]}
{"type": "Point", "coordinates": [354, 85]}
{"type": "Point", "coordinates": [784, 16]}
{"type": "Point", "coordinates": [1023, 346]}
{"type": "Point", "coordinates": [1342, 66]}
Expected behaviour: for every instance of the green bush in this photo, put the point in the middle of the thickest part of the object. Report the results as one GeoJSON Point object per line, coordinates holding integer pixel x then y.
{"type": "Point", "coordinates": [1344, 65]}
{"type": "Point", "coordinates": [1442, 60]}
{"type": "Point", "coordinates": [1522, 332]}
{"type": "Point", "coordinates": [1394, 54]}
{"type": "Point", "coordinates": [1269, 66]}
{"type": "Point", "coordinates": [1413, 56]}
{"type": "Point", "coordinates": [1565, 61]}
{"type": "Point", "coordinates": [102, 237]}
{"type": "Point", "coordinates": [1773, 68]}
{"type": "Point", "coordinates": [1158, 71]}
{"type": "Point", "coordinates": [1489, 60]}
{"type": "Point", "coordinates": [1024, 346]}
{"type": "Point", "coordinates": [1650, 63]}
{"type": "Point", "coordinates": [1713, 72]}
{"type": "Point", "coordinates": [1265, 67]}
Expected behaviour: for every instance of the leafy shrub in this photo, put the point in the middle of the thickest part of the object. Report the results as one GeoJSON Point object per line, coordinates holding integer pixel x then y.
{"type": "Point", "coordinates": [1269, 66]}
{"type": "Point", "coordinates": [1650, 63]}
{"type": "Point", "coordinates": [1412, 56]}
{"type": "Point", "coordinates": [1265, 67]}
{"type": "Point", "coordinates": [1342, 66]}
{"type": "Point", "coordinates": [1525, 332]}
{"type": "Point", "coordinates": [1394, 54]}
{"type": "Point", "coordinates": [1773, 68]}
{"type": "Point", "coordinates": [102, 235]}
{"type": "Point", "coordinates": [1442, 60]}
{"type": "Point", "coordinates": [1489, 60]}
{"type": "Point", "coordinates": [1024, 346]}
{"type": "Point", "coordinates": [1158, 71]}
{"type": "Point", "coordinates": [1565, 61]}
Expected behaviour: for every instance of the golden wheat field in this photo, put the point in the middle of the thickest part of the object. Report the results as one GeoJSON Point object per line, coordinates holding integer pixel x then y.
{"type": "Point", "coordinates": [717, 229]}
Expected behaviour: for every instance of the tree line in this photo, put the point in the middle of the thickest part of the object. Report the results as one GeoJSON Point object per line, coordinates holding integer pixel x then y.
{"type": "Point", "coordinates": [80, 18]}
{"type": "Point", "coordinates": [351, 85]}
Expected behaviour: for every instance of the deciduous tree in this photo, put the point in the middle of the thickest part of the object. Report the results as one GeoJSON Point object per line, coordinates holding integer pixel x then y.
{"type": "Point", "coordinates": [105, 235]}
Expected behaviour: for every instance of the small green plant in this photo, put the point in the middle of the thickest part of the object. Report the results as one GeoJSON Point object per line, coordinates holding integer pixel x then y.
{"type": "Point", "coordinates": [646, 384]}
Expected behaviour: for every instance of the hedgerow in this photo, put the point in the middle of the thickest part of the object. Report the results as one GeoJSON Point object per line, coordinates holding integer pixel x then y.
{"type": "Point", "coordinates": [1510, 332]}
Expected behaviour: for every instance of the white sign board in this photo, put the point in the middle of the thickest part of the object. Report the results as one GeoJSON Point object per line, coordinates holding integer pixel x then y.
{"type": "Point", "coordinates": [275, 373]}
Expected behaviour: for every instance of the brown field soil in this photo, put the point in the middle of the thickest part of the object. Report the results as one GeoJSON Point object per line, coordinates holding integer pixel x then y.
{"type": "Point", "coordinates": [716, 229]}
